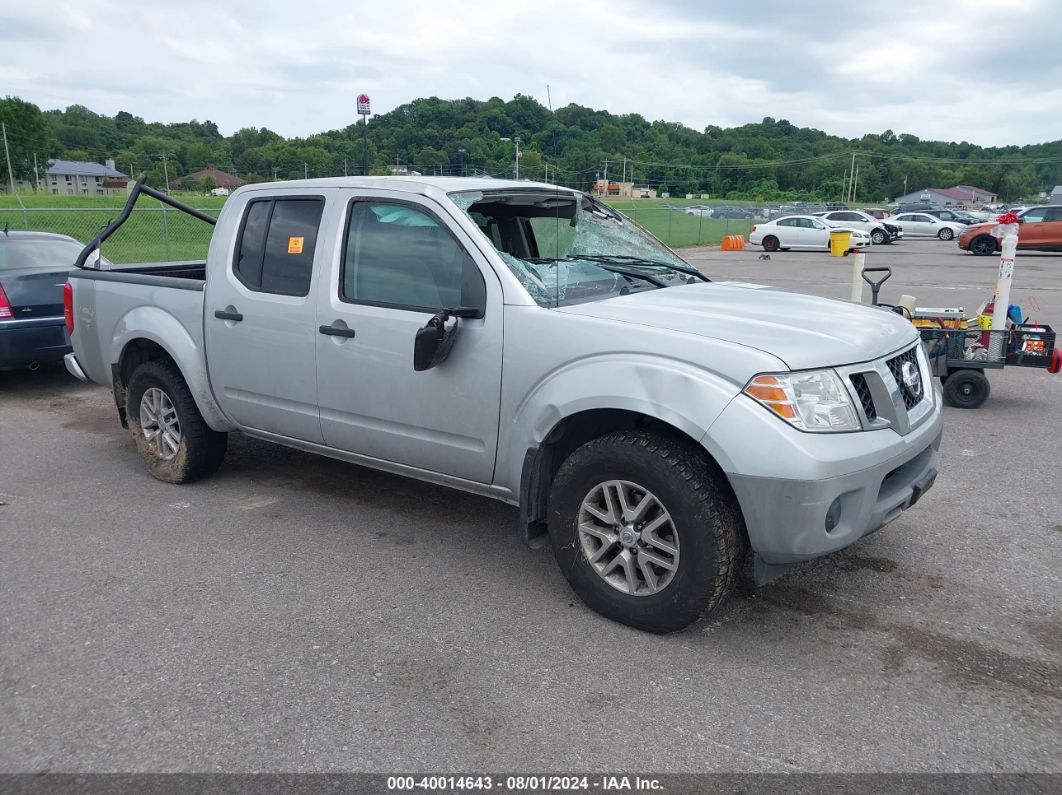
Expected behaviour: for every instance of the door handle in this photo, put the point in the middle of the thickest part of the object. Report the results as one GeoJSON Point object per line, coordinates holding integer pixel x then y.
{"type": "Point", "coordinates": [336, 331]}
{"type": "Point", "coordinates": [223, 314]}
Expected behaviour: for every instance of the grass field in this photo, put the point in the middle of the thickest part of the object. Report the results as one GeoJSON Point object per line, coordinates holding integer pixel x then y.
{"type": "Point", "coordinates": [150, 235]}
{"type": "Point", "coordinates": [154, 235]}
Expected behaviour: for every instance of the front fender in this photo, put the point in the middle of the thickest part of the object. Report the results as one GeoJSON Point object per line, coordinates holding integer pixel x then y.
{"type": "Point", "coordinates": [667, 389]}
{"type": "Point", "coordinates": [158, 326]}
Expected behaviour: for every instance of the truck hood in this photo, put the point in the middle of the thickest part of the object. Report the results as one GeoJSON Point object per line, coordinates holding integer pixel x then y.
{"type": "Point", "coordinates": [804, 331]}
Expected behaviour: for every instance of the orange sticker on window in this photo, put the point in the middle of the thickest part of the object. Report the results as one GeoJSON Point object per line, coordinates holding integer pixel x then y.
{"type": "Point", "coordinates": [295, 245]}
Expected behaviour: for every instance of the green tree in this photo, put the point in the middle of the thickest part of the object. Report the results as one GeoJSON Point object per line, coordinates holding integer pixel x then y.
{"type": "Point", "coordinates": [28, 134]}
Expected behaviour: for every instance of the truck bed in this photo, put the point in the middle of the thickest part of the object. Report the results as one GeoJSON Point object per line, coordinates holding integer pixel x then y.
{"type": "Point", "coordinates": [189, 275]}
{"type": "Point", "coordinates": [114, 305]}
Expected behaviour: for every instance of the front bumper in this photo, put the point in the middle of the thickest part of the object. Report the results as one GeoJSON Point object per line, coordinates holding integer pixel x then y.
{"type": "Point", "coordinates": [24, 342]}
{"type": "Point", "coordinates": [785, 487]}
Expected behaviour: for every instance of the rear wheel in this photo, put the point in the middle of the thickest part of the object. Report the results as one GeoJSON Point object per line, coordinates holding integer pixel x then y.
{"type": "Point", "coordinates": [966, 389]}
{"type": "Point", "coordinates": [170, 434]}
{"type": "Point", "coordinates": [946, 234]}
{"type": "Point", "coordinates": [983, 245]}
{"type": "Point", "coordinates": [645, 530]}
{"type": "Point", "coordinates": [770, 243]}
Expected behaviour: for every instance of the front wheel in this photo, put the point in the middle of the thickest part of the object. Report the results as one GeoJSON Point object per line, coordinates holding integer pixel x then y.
{"type": "Point", "coordinates": [645, 530]}
{"type": "Point", "coordinates": [966, 389]}
{"type": "Point", "coordinates": [171, 435]}
{"type": "Point", "coordinates": [946, 234]}
{"type": "Point", "coordinates": [878, 236]}
{"type": "Point", "coordinates": [983, 245]}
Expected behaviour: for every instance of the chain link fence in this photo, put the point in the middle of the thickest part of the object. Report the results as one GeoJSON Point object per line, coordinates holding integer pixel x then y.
{"type": "Point", "coordinates": [151, 234]}
{"type": "Point", "coordinates": [160, 234]}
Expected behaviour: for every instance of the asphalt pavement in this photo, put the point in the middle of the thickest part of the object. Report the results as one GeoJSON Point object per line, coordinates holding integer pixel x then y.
{"type": "Point", "coordinates": [293, 613]}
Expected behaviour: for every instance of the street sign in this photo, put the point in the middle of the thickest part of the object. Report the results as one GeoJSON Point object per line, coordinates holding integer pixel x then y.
{"type": "Point", "coordinates": [363, 104]}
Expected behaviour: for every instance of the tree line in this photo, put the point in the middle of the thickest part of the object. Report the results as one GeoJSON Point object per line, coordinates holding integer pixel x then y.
{"type": "Point", "coordinates": [771, 160]}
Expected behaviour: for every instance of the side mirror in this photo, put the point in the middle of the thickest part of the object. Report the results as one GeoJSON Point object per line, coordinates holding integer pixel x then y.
{"type": "Point", "coordinates": [434, 341]}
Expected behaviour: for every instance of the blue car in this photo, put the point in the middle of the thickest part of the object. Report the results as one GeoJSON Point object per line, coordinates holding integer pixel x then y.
{"type": "Point", "coordinates": [33, 268]}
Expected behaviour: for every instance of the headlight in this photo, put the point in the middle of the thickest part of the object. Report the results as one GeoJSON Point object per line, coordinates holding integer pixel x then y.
{"type": "Point", "coordinates": [813, 400]}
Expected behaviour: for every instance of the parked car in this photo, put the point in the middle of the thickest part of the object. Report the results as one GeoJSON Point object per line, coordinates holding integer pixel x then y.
{"type": "Point", "coordinates": [879, 231]}
{"type": "Point", "coordinates": [958, 216]}
{"type": "Point", "coordinates": [654, 425]}
{"type": "Point", "coordinates": [33, 268]}
{"type": "Point", "coordinates": [925, 225]}
{"type": "Point", "coordinates": [876, 212]}
{"type": "Point", "coordinates": [702, 210]}
{"type": "Point", "coordinates": [804, 232]}
{"type": "Point", "coordinates": [1040, 230]}
{"type": "Point", "coordinates": [731, 212]}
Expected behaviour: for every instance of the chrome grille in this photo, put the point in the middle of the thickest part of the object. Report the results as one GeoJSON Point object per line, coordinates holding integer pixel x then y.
{"type": "Point", "coordinates": [859, 381]}
{"type": "Point", "coordinates": [895, 365]}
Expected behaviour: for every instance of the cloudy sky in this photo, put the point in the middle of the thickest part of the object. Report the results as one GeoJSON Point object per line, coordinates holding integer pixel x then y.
{"type": "Point", "coordinates": [986, 72]}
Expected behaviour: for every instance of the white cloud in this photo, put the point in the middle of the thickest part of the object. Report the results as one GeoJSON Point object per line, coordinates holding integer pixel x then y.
{"type": "Point", "coordinates": [956, 71]}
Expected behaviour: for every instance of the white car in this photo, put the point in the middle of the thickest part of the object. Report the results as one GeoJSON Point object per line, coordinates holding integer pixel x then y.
{"type": "Point", "coordinates": [925, 225]}
{"type": "Point", "coordinates": [699, 209]}
{"type": "Point", "coordinates": [802, 232]}
{"type": "Point", "coordinates": [879, 231]}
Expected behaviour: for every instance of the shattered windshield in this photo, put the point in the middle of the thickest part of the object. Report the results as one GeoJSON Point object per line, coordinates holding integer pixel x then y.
{"type": "Point", "coordinates": [568, 248]}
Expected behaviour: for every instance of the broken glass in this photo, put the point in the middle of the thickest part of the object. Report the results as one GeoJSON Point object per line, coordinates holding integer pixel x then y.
{"type": "Point", "coordinates": [567, 248]}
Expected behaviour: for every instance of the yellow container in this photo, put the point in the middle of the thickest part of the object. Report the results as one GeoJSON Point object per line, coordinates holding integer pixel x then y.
{"type": "Point", "coordinates": [840, 242]}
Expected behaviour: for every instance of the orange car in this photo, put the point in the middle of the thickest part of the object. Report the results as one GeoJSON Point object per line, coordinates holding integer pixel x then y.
{"type": "Point", "coordinates": [1040, 230]}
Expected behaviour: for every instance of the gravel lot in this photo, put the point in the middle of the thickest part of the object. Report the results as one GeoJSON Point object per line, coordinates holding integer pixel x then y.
{"type": "Point", "coordinates": [298, 614]}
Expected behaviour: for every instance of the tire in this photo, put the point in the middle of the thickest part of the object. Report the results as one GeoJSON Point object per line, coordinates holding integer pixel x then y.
{"type": "Point", "coordinates": [966, 389]}
{"type": "Point", "coordinates": [770, 243]}
{"type": "Point", "coordinates": [983, 245]}
{"type": "Point", "coordinates": [946, 234]}
{"type": "Point", "coordinates": [157, 388]}
{"type": "Point", "coordinates": [878, 237]}
{"type": "Point", "coordinates": [703, 528]}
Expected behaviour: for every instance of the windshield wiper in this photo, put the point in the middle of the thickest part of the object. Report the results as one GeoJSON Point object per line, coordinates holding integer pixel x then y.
{"type": "Point", "coordinates": [604, 263]}
{"type": "Point", "coordinates": [626, 259]}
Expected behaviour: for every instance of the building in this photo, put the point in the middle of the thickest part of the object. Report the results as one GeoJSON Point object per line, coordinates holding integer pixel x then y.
{"type": "Point", "coordinates": [948, 197]}
{"type": "Point", "coordinates": [76, 178]}
{"type": "Point", "coordinates": [1056, 195]}
{"type": "Point", "coordinates": [623, 190]}
{"type": "Point", "coordinates": [222, 179]}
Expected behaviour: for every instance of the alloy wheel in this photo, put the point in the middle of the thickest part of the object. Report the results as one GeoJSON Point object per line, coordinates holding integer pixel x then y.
{"type": "Point", "coordinates": [628, 537]}
{"type": "Point", "coordinates": [159, 422]}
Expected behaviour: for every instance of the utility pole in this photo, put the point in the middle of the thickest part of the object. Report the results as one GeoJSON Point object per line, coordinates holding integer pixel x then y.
{"type": "Point", "coordinates": [36, 174]}
{"type": "Point", "coordinates": [625, 168]}
{"type": "Point", "coordinates": [855, 183]}
{"type": "Point", "coordinates": [604, 179]}
{"type": "Point", "coordinates": [7, 154]}
{"type": "Point", "coordinates": [516, 168]}
{"type": "Point", "coordinates": [852, 173]}
{"type": "Point", "coordinates": [275, 170]}
{"type": "Point", "coordinates": [844, 184]}
{"type": "Point", "coordinates": [905, 185]}
{"type": "Point", "coordinates": [305, 171]}
{"type": "Point", "coordinates": [344, 167]}
{"type": "Point", "coordinates": [166, 173]}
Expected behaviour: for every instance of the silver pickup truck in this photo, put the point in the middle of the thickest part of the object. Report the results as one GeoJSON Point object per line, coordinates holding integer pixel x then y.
{"type": "Point", "coordinates": [528, 343]}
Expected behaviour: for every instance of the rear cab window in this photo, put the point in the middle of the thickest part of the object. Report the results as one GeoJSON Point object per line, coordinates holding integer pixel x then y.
{"type": "Point", "coordinates": [277, 243]}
